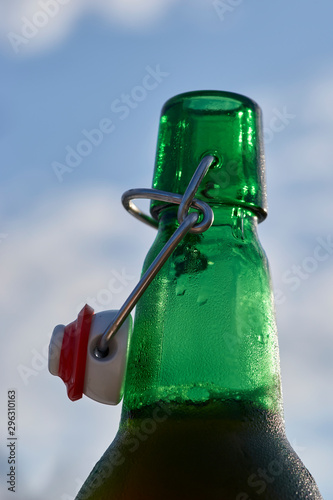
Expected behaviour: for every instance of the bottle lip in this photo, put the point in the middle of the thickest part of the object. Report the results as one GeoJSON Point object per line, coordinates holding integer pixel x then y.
{"type": "Point", "coordinates": [229, 100]}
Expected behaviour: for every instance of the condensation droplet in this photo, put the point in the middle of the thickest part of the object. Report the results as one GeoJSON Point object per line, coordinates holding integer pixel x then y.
{"type": "Point", "coordinates": [202, 299]}
{"type": "Point", "coordinates": [180, 289]}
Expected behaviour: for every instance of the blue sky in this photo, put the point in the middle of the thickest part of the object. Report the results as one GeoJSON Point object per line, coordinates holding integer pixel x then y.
{"type": "Point", "coordinates": [61, 236]}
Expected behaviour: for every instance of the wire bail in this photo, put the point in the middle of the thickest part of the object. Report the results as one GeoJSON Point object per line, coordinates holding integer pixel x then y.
{"type": "Point", "coordinates": [188, 223]}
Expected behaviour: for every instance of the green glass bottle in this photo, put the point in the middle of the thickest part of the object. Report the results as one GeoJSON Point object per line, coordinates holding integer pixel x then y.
{"type": "Point", "coordinates": [202, 414]}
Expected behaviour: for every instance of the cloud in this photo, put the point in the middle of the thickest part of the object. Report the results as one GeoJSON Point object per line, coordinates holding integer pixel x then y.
{"type": "Point", "coordinates": [29, 26]}
{"type": "Point", "coordinates": [302, 149]}
{"type": "Point", "coordinates": [131, 12]}
{"type": "Point", "coordinates": [55, 257]}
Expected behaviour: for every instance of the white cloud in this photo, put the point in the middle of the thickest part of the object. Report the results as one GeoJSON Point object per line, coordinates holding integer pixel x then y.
{"type": "Point", "coordinates": [132, 12]}
{"type": "Point", "coordinates": [65, 250]}
{"type": "Point", "coordinates": [54, 258]}
{"type": "Point", "coordinates": [303, 148]}
{"type": "Point", "coordinates": [28, 26]}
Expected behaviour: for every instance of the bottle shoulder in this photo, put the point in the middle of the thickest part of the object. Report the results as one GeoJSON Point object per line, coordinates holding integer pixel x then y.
{"type": "Point", "coordinates": [181, 454]}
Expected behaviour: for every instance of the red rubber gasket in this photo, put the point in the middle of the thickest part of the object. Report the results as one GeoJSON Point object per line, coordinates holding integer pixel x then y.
{"type": "Point", "coordinates": [72, 363]}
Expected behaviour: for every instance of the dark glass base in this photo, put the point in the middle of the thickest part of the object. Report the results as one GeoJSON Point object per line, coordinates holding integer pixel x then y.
{"type": "Point", "coordinates": [209, 452]}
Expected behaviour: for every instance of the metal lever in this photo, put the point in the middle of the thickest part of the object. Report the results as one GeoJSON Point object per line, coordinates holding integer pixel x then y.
{"type": "Point", "coordinates": [187, 223]}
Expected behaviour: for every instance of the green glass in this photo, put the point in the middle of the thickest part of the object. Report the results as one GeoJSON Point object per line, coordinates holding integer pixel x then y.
{"type": "Point", "coordinates": [224, 125]}
{"type": "Point", "coordinates": [202, 414]}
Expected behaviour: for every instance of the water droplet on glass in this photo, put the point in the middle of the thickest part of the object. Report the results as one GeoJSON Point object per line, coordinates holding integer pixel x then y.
{"type": "Point", "coordinates": [202, 299]}
{"type": "Point", "coordinates": [180, 289]}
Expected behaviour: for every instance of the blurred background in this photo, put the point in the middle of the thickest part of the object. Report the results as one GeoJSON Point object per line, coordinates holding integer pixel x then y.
{"type": "Point", "coordinates": [70, 68]}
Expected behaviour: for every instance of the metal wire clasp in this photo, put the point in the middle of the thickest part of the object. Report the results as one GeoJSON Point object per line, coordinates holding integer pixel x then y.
{"type": "Point", "coordinates": [188, 223]}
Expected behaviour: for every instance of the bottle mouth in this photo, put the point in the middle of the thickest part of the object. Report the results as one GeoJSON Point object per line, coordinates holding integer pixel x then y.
{"type": "Point", "coordinates": [210, 101]}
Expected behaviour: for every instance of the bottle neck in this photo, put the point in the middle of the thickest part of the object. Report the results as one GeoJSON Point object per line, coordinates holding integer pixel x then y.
{"type": "Point", "coordinates": [205, 328]}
